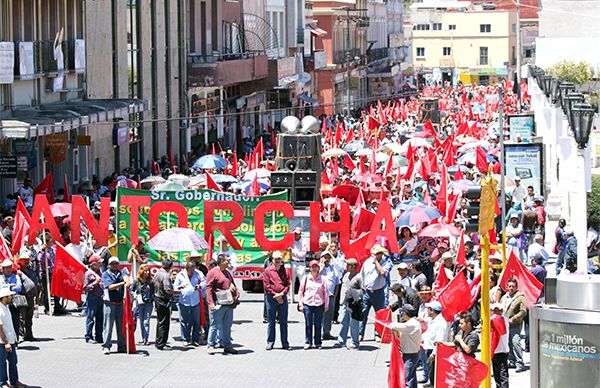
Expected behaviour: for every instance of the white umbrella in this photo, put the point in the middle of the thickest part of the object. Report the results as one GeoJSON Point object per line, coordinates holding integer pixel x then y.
{"type": "Point", "coordinates": [177, 240]}
{"type": "Point", "coordinates": [364, 152]}
{"type": "Point", "coordinates": [392, 148]}
{"type": "Point", "coordinates": [181, 179]}
{"type": "Point", "coordinates": [258, 172]}
{"type": "Point", "coordinates": [333, 153]}
{"type": "Point", "coordinates": [153, 179]}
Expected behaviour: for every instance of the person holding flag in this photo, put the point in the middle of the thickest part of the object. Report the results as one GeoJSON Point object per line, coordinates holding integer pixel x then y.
{"type": "Point", "coordinates": [8, 336]}
{"type": "Point", "coordinates": [409, 333]}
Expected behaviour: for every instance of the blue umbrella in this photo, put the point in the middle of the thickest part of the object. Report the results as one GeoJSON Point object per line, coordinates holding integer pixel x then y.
{"type": "Point", "coordinates": [245, 185]}
{"type": "Point", "coordinates": [220, 178]}
{"type": "Point", "coordinates": [209, 162]}
{"type": "Point", "coordinates": [417, 215]}
{"type": "Point", "coordinates": [419, 184]}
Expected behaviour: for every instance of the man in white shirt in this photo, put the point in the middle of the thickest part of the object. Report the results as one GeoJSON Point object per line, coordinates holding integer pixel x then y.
{"type": "Point", "coordinates": [537, 251]}
{"type": "Point", "coordinates": [374, 273]}
{"type": "Point", "coordinates": [409, 333]}
{"type": "Point", "coordinates": [437, 331]}
{"type": "Point", "coordinates": [26, 193]}
{"type": "Point", "coordinates": [8, 352]}
{"type": "Point", "coordinates": [519, 192]}
{"type": "Point", "coordinates": [298, 260]}
{"type": "Point", "coordinates": [404, 278]}
{"type": "Point", "coordinates": [500, 329]}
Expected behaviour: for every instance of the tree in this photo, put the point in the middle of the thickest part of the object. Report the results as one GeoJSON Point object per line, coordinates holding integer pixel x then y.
{"type": "Point", "coordinates": [593, 203]}
{"type": "Point", "coordinates": [577, 73]}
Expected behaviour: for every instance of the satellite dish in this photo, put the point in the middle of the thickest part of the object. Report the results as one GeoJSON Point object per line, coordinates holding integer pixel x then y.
{"type": "Point", "coordinates": [291, 124]}
{"type": "Point", "coordinates": [309, 124]}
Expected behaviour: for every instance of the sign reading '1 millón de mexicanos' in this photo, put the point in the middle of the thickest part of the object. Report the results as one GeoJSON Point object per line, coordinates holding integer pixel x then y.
{"type": "Point", "coordinates": [569, 355]}
{"type": "Point", "coordinates": [193, 201]}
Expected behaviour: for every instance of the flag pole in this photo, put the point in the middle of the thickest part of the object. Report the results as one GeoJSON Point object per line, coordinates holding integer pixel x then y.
{"type": "Point", "coordinates": [486, 354]}
{"type": "Point", "coordinates": [50, 309]}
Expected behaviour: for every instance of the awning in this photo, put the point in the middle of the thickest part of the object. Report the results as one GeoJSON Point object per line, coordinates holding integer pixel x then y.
{"type": "Point", "coordinates": [316, 30]}
{"type": "Point", "coordinates": [56, 118]}
{"type": "Point", "coordinates": [307, 99]}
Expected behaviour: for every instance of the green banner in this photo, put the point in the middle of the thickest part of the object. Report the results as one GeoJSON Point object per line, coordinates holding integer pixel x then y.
{"type": "Point", "coordinates": [193, 201]}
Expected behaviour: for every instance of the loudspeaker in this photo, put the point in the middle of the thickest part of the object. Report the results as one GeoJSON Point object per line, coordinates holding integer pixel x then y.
{"type": "Point", "coordinates": [430, 110]}
{"type": "Point", "coordinates": [303, 196]}
{"type": "Point", "coordinates": [298, 152]}
{"type": "Point", "coordinates": [283, 179]}
{"type": "Point", "coordinates": [305, 179]}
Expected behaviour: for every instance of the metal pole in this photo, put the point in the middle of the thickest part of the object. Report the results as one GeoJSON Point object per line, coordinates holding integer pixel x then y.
{"type": "Point", "coordinates": [486, 353]}
{"type": "Point", "coordinates": [348, 61]}
{"type": "Point", "coordinates": [580, 227]}
{"type": "Point", "coordinates": [519, 53]}
{"type": "Point", "coordinates": [502, 172]}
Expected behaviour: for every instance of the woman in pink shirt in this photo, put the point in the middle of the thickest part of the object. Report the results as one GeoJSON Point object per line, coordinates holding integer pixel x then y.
{"type": "Point", "coordinates": [313, 301]}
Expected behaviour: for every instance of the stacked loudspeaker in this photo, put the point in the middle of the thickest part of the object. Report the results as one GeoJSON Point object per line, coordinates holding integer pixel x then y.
{"type": "Point", "coordinates": [298, 159]}
{"type": "Point", "coordinates": [430, 110]}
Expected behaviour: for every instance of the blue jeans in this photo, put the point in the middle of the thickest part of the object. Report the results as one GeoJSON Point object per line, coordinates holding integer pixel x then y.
{"type": "Point", "coordinates": [274, 310]}
{"type": "Point", "coordinates": [423, 360]}
{"type": "Point", "coordinates": [113, 314]}
{"type": "Point", "coordinates": [515, 354]}
{"type": "Point", "coordinates": [143, 312]}
{"type": "Point", "coordinates": [349, 323]}
{"type": "Point", "coordinates": [410, 369]}
{"type": "Point", "coordinates": [373, 299]}
{"type": "Point", "coordinates": [328, 316]}
{"type": "Point", "coordinates": [11, 357]}
{"type": "Point", "coordinates": [94, 312]}
{"type": "Point", "coordinates": [313, 319]}
{"type": "Point", "coordinates": [221, 321]}
{"type": "Point", "coordinates": [189, 323]}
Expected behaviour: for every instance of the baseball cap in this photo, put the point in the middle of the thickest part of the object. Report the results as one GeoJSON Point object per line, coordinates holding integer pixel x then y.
{"type": "Point", "coordinates": [113, 260]}
{"type": "Point", "coordinates": [7, 263]}
{"type": "Point", "coordinates": [298, 230]}
{"type": "Point", "coordinates": [434, 305]}
{"type": "Point", "coordinates": [351, 262]}
{"type": "Point", "coordinates": [409, 310]}
{"type": "Point", "coordinates": [313, 262]}
{"type": "Point", "coordinates": [402, 266]}
{"type": "Point", "coordinates": [276, 255]}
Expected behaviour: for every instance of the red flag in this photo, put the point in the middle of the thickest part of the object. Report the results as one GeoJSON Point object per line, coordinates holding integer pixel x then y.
{"type": "Point", "coordinates": [372, 124]}
{"type": "Point", "coordinates": [396, 373]}
{"type": "Point", "coordinates": [411, 163]}
{"type": "Point", "coordinates": [455, 369]}
{"type": "Point", "coordinates": [338, 134]}
{"type": "Point", "coordinates": [67, 196]}
{"type": "Point", "coordinates": [528, 284]}
{"type": "Point", "coordinates": [481, 161]}
{"type": "Point", "coordinates": [458, 175]}
{"type": "Point", "coordinates": [363, 169]}
{"type": "Point", "coordinates": [362, 221]}
{"type": "Point", "coordinates": [172, 159]}
{"type": "Point", "coordinates": [358, 250]}
{"type": "Point", "coordinates": [441, 201]}
{"type": "Point", "coordinates": [441, 281]}
{"type": "Point", "coordinates": [383, 318]}
{"type": "Point", "coordinates": [498, 328]}
{"type": "Point", "coordinates": [325, 178]}
{"type": "Point", "coordinates": [128, 325]}
{"type": "Point", "coordinates": [254, 188]}
{"type": "Point", "coordinates": [46, 187]}
{"type": "Point", "coordinates": [220, 151]}
{"type": "Point", "coordinates": [454, 200]}
{"type": "Point", "coordinates": [388, 167]}
{"type": "Point", "coordinates": [67, 277]}
{"type": "Point", "coordinates": [234, 165]}
{"type": "Point", "coordinates": [424, 169]}
{"type": "Point", "coordinates": [455, 297]}
{"type": "Point", "coordinates": [4, 249]}
{"type": "Point", "coordinates": [461, 256]}
{"type": "Point", "coordinates": [20, 234]}
{"type": "Point", "coordinates": [209, 250]}
{"type": "Point", "coordinates": [22, 210]}
{"type": "Point", "coordinates": [324, 126]}
{"type": "Point", "coordinates": [433, 161]}
{"type": "Point", "coordinates": [212, 151]}
{"type": "Point", "coordinates": [211, 184]}
{"type": "Point", "coordinates": [474, 289]}
{"type": "Point", "coordinates": [349, 136]}
{"type": "Point", "coordinates": [328, 136]}
{"type": "Point", "coordinates": [155, 167]}
{"type": "Point", "coordinates": [348, 163]}
{"type": "Point", "coordinates": [463, 128]}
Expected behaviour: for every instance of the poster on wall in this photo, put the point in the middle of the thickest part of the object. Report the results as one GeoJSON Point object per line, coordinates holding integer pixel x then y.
{"type": "Point", "coordinates": [26, 61]}
{"type": "Point", "coordinates": [55, 148]}
{"type": "Point", "coordinates": [525, 161]}
{"type": "Point", "coordinates": [521, 127]}
{"type": "Point", "coordinates": [7, 62]}
{"type": "Point", "coordinates": [79, 56]}
{"type": "Point", "coordinates": [568, 353]}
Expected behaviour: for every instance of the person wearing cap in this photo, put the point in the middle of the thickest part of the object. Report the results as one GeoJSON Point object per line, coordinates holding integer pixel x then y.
{"type": "Point", "coordinates": [9, 279]}
{"type": "Point", "coordinates": [276, 284]}
{"type": "Point", "coordinates": [351, 294]}
{"type": "Point", "coordinates": [7, 232]}
{"type": "Point", "coordinates": [8, 336]}
{"type": "Point", "coordinates": [112, 240]}
{"type": "Point", "coordinates": [499, 327]}
{"type": "Point", "coordinates": [331, 276]}
{"type": "Point", "coordinates": [404, 278]}
{"type": "Point", "coordinates": [114, 281]}
{"type": "Point", "coordinates": [189, 284]}
{"type": "Point", "coordinates": [519, 192]}
{"type": "Point", "coordinates": [323, 243]}
{"type": "Point", "coordinates": [224, 249]}
{"type": "Point", "coordinates": [409, 333]}
{"type": "Point", "coordinates": [92, 285]}
{"type": "Point", "coordinates": [29, 280]}
{"type": "Point", "coordinates": [374, 273]}
{"type": "Point", "coordinates": [298, 251]}
{"type": "Point", "coordinates": [142, 288]}
{"type": "Point", "coordinates": [45, 259]}
{"type": "Point", "coordinates": [515, 309]}
{"type": "Point", "coordinates": [516, 238]}
{"type": "Point", "coordinates": [437, 331]}
{"type": "Point", "coordinates": [426, 296]}
{"type": "Point", "coordinates": [313, 301]}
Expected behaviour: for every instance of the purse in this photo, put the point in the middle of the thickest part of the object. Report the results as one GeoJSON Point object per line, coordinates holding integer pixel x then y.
{"type": "Point", "coordinates": [224, 297]}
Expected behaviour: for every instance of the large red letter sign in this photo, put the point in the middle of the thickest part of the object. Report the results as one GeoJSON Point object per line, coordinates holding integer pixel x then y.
{"type": "Point", "coordinates": [317, 226]}
{"type": "Point", "coordinates": [135, 203]}
{"type": "Point", "coordinates": [225, 227]}
{"type": "Point", "coordinates": [259, 225]}
{"type": "Point", "coordinates": [41, 208]}
{"type": "Point", "coordinates": [167, 206]}
{"type": "Point", "coordinates": [384, 213]}
{"type": "Point", "coordinates": [98, 230]}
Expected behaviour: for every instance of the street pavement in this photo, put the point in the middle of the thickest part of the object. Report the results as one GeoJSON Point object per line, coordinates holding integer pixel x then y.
{"type": "Point", "coordinates": [62, 358]}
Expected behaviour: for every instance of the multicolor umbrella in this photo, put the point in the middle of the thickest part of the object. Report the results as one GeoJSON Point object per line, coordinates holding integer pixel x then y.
{"type": "Point", "coordinates": [471, 157]}
{"type": "Point", "coordinates": [177, 240]}
{"type": "Point", "coordinates": [440, 230]}
{"type": "Point", "coordinates": [246, 184]}
{"type": "Point", "coordinates": [417, 215]}
{"type": "Point", "coordinates": [368, 178]}
{"type": "Point", "coordinates": [258, 173]}
{"type": "Point", "coordinates": [405, 205]}
{"type": "Point", "coordinates": [209, 162]}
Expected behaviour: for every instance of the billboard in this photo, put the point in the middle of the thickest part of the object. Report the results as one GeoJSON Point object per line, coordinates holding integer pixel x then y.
{"type": "Point", "coordinates": [525, 161]}
{"type": "Point", "coordinates": [521, 127]}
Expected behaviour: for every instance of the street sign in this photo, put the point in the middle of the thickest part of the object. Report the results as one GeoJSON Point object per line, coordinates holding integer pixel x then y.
{"type": "Point", "coordinates": [8, 166]}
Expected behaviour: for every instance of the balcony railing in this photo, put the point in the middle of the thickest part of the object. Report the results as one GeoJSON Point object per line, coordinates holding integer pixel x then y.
{"type": "Point", "coordinates": [343, 56]}
{"type": "Point", "coordinates": [378, 54]}
{"type": "Point", "coordinates": [226, 69]}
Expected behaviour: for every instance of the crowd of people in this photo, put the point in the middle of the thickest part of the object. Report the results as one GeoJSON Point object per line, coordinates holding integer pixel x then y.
{"type": "Point", "coordinates": [426, 167]}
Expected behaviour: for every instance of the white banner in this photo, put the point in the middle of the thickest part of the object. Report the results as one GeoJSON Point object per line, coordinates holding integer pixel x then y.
{"type": "Point", "coordinates": [7, 62]}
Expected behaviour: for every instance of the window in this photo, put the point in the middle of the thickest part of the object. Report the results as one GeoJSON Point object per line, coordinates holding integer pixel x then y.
{"type": "Point", "coordinates": [483, 55]}
{"type": "Point", "coordinates": [420, 51]}
{"type": "Point", "coordinates": [447, 51]}
{"type": "Point", "coordinates": [437, 26]}
{"type": "Point", "coordinates": [528, 53]}
{"type": "Point", "coordinates": [422, 27]}
{"type": "Point", "coordinates": [514, 28]}
{"type": "Point", "coordinates": [485, 28]}
{"type": "Point", "coordinates": [451, 27]}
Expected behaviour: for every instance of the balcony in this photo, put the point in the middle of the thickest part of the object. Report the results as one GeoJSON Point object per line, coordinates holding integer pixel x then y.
{"type": "Point", "coordinates": [378, 54]}
{"type": "Point", "coordinates": [226, 69]}
{"type": "Point", "coordinates": [340, 57]}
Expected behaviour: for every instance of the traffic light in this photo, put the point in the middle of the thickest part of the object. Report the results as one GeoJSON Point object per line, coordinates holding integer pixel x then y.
{"type": "Point", "coordinates": [473, 195]}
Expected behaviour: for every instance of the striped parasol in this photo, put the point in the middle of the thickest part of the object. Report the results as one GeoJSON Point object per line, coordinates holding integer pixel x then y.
{"type": "Point", "coordinates": [178, 240]}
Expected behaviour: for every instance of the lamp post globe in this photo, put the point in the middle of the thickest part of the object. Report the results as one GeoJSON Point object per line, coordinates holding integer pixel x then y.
{"type": "Point", "coordinates": [569, 101]}
{"type": "Point", "coordinates": [564, 88]}
{"type": "Point", "coordinates": [581, 120]}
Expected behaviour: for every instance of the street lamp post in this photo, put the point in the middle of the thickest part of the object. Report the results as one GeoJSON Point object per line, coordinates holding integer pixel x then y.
{"type": "Point", "coordinates": [580, 119]}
